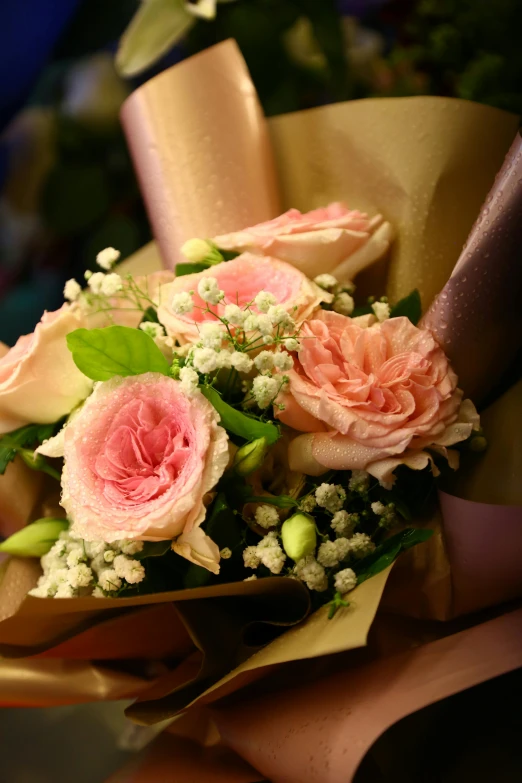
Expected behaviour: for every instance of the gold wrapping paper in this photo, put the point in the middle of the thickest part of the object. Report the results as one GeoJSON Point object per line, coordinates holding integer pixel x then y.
{"type": "Point", "coordinates": [54, 683]}
{"type": "Point", "coordinates": [316, 637]}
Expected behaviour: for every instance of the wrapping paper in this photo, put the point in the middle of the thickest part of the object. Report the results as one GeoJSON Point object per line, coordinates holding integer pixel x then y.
{"type": "Point", "coordinates": [476, 317]}
{"type": "Point", "coordinates": [306, 725]}
{"type": "Point", "coordinates": [204, 119]}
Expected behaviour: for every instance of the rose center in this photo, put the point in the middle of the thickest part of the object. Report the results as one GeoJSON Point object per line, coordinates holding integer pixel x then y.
{"type": "Point", "coordinates": [144, 452]}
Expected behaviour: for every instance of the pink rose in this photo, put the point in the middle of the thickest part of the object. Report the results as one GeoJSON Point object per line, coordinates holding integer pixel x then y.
{"type": "Point", "coordinates": [39, 382]}
{"type": "Point", "coordinates": [139, 459]}
{"type": "Point", "coordinates": [332, 239]}
{"type": "Point", "coordinates": [240, 279]}
{"type": "Point", "coordinates": [372, 398]}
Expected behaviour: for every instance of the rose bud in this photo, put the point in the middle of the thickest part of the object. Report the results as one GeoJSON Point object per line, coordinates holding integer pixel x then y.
{"type": "Point", "coordinates": [34, 540]}
{"type": "Point", "coordinates": [250, 457]}
{"type": "Point", "coordinates": [299, 536]}
{"type": "Point", "coordinates": [199, 251]}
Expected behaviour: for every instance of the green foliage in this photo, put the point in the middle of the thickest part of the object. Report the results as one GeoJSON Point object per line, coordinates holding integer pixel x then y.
{"type": "Point", "coordinates": [30, 436]}
{"type": "Point", "coordinates": [153, 549]}
{"type": "Point", "coordinates": [388, 551]}
{"type": "Point", "coordinates": [471, 49]}
{"type": "Point", "coordinates": [410, 307]}
{"type": "Point", "coordinates": [239, 423]}
{"type": "Point", "coordinates": [188, 268]}
{"type": "Point", "coordinates": [116, 350]}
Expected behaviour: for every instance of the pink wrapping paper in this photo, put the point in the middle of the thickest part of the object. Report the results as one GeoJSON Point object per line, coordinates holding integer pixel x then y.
{"type": "Point", "coordinates": [320, 732]}
{"type": "Point", "coordinates": [484, 543]}
{"type": "Point", "coordinates": [476, 317]}
{"type": "Point", "coordinates": [200, 147]}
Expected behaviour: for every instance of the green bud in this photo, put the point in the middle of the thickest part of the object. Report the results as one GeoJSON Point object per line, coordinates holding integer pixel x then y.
{"type": "Point", "coordinates": [36, 539]}
{"type": "Point", "coordinates": [478, 443]}
{"type": "Point", "coordinates": [299, 536]}
{"type": "Point", "coordinates": [38, 462]}
{"type": "Point", "coordinates": [250, 456]}
{"type": "Point", "coordinates": [201, 251]}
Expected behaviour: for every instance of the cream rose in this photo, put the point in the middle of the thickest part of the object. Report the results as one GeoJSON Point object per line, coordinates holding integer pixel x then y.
{"type": "Point", "coordinates": [139, 460]}
{"type": "Point", "coordinates": [332, 239]}
{"type": "Point", "coordinates": [39, 382]}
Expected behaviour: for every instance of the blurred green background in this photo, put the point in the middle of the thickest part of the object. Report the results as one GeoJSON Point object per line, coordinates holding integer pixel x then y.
{"type": "Point", "coordinates": [67, 187]}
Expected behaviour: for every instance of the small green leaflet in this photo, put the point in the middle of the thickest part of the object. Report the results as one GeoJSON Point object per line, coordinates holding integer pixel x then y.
{"type": "Point", "coordinates": [247, 427]}
{"type": "Point", "coordinates": [188, 268]}
{"type": "Point", "coordinates": [410, 306]}
{"type": "Point", "coordinates": [23, 438]}
{"type": "Point", "coordinates": [153, 549]}
{"type": "Point", "coordinates": [116, 350]}
{"type": "Point", "coordinates": [150, 316]}
{"type": "Point", "coordinates": [388, 551]}
{"type": "Point", "coordinates": [242, 492]}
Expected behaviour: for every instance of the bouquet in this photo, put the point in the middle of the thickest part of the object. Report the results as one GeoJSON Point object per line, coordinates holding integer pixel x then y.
{"type": "Point", "coordinates": [252, 436]}
{"type": "Point", "coordinates": [251, 422]}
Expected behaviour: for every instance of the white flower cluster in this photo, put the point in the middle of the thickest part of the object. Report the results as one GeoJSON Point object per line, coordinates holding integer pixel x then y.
{"type": "Point", "coordinates": [268, 552]}
{"type": "Point", "coordinates": [267, 516]}
{"type": "Point", "coordinates": [99, 283]}
{"type": "Point", "coordinates": [227, 342]}
{"type": "Point", "coordinates": [387, 514]}
{"type": "Point", "coordinates": [312, 573]}
{"type": "Point", "coordinates": [381, 311]}
{"type": "Point", "coordinates": [331, 553]}
{"type": "Point", "coordinates": [343, 523]}
{"type": "Point", "coordinates": [330, 496]}
{"type": "Point", "coordinates": [359, 481]}
{"type": "Point", "coordinates": [74, 567]}
{"type": "Point", "coordinates": [343, 302]}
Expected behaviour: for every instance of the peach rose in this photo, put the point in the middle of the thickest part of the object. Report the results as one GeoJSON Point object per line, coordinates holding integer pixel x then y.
{"type": "Point", "coordinates": [372, 398]}
{"type": "Point", "coordinates": [139, 459]}
{"type": "Point", "coordinates": [332, 239]}
{"type": "Point", "coordinates": [39, 382]}
{"type": "Point", "coordinates": [240, 279]}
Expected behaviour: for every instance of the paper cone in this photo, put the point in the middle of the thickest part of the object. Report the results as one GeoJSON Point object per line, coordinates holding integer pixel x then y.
{"type": "Point", "coordinates": [200, 147]}
{"type": "Point", "coordinates": [476, 317]}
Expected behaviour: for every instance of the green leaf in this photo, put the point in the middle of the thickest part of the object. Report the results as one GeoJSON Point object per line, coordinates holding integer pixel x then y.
{"type": "Point", "coordinates": [388, 551]}
{"type": "Point", "coordinates": [116, 350]}
{"type": "Point", "coordinates": [155, 28]}
{"type": "Point", "coordinates": [247, 427]}
{"type": "Point", "coordinates": [34, 540]}
{"type": "Point", "coordinates": [228, 255]}
{"type": "Point", "coordinates": [25, 437]}
{"type": "Point", "coordinates": [281, 501]}
{"type": "Point", "coordinates": [39, 462]}
{"type": "Point", "coordinates": [153, 549]}
{"type": "Point", "coordinates": [150, 316]}
{"type": "Point", "coordinates": [188, 268]}
{"type": "Point", "coordinates": [410, 306]}
{"type": "Point", "coordinates": [362, 310]}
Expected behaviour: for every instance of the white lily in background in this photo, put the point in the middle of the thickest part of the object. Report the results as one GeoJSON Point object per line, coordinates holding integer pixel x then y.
{"type": "Point", "coordinates": [156, 27]}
